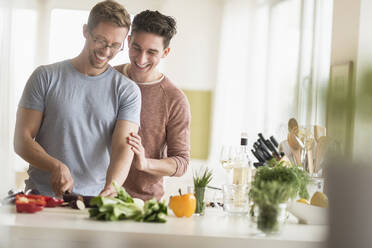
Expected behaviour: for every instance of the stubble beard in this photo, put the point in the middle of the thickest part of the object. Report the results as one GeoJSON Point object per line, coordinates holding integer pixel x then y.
{"type": "Point", "coordinates": [93, 64]}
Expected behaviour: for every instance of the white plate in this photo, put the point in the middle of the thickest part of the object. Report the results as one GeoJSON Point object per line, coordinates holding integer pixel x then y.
{"type": "Point", "coordinates": [308, 214]}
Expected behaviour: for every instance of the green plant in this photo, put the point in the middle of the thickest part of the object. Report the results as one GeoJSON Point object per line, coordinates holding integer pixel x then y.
{"type": "Point", "coordinates": [201, 180]}
{"type": "Point", "coordinates": [267, 220]}
{"type": "Point", "coordinates": [273, 185]}
{"type": "Point", "coordinates": [294, 178]}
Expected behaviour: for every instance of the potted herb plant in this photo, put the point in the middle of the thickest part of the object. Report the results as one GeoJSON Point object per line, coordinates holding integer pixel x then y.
{"type": "Point", "coordinates": [271, 189]}
{"type": "Point", "coordinates": [201, 180]}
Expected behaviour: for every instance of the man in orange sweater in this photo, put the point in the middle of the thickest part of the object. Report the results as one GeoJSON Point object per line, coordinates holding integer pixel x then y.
{"type": "Point", "coordinates": [162, 147]}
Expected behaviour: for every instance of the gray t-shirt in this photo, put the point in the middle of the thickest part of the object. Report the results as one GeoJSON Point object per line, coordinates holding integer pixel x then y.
{"type": "Point", "coordinates": [79, 116]}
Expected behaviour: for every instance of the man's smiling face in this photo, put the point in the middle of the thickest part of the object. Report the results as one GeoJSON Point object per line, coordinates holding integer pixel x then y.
{"type": "Point", "coordinates": [145, 51]}
{"type": "Point", "coordinates": [103, 43]}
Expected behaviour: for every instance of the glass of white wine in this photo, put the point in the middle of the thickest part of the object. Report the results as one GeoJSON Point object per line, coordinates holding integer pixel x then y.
{"type": "Point", "coordinates": [227, 156]}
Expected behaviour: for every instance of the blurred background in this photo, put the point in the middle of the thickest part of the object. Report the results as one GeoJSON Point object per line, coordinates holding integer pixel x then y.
{"type": "Point", "coordinates": [245, 65]}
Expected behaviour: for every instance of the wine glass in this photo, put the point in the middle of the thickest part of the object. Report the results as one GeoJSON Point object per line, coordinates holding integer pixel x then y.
{"type": "Point", "coordinates": [227, 156]}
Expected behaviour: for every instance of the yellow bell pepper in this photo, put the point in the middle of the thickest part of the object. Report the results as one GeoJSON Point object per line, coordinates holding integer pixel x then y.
{"type": "Point", "coordinates": [183, 205]}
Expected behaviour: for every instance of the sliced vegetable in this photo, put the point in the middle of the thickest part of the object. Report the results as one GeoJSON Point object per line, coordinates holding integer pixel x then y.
{"type": "Point", "coordinates": [139, 202]}
{"type": "Point", "coordinates": [28, 208]}
{"type": "Point", "coordinates": [71, 197]}
{"type": "Point", "coordinates": [52, 202]}
{"type": "Point", "coordinates": [34, 203]}
{"type": "Point", "coordinates": [122, 193]}
{"type": "Point", "coordinates": [109, 208]}
{"type": "Point", "coordinates": [29, 203]}
{"type": "Point", "coordinates": [154, 211]}
{"type": "Point", "coordinates": [123, 207]}
{"type": "Point", "coordinates": [77, 204]}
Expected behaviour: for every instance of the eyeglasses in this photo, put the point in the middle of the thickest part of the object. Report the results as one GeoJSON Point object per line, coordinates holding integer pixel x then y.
{"type": "Point", "coordinates": [102, 44]}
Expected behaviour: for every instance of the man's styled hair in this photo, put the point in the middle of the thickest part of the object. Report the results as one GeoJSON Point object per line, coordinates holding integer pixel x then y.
{"type": "Point", "coordinates": [109, 11]}
{"type": "Point", "coordinates": [156, 23]}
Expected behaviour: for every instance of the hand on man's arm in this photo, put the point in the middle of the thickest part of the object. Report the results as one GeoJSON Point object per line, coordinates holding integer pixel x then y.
{"type": "Point", "coordinates": [157, 167]}
{"type": "Point", "coordinates": [121, 156]}
{"type": "Point", "coordinates": [27, 126]}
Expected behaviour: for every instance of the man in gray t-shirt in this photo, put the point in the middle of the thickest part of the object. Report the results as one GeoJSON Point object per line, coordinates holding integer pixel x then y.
{"type": "Point", "coordinates": [74, 116]}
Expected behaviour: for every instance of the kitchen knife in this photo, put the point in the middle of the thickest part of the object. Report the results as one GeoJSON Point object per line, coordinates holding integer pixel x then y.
{"type": "Point", "coordinates": [258, 164]}
{"type": "Point", "coordinates": [273, 140]}
{"type": "Point", "coordinates": [263, 145]}
{"type": "Point", "coordinates": [259, 158]}
{"type": "Point", "coordinates": [260, 153]}
{"type": "Point", "coordinates": [272, 148]}
{"type": "Point", "coordinates": [266, 153]}
{"type": "Point", "coordinates": [261, 137]}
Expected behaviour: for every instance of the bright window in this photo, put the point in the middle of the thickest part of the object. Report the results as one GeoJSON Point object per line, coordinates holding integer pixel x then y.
{"type": "Point", "coordinates": [66, 36]}
{"type": "Point", "coordinates": [283, 63]}
{"type": "Point", "coordinates": [22, 48]}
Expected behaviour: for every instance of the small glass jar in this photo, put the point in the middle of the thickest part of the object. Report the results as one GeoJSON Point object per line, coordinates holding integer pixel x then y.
{"type": "Point", "coordinates": [271, 218]}
{"type": "Point", "coordinates": [236, 199]}
{"type": "Point", "coordinates": [316, 186]}
{"type": "Point", "coordinates": [199, 193]}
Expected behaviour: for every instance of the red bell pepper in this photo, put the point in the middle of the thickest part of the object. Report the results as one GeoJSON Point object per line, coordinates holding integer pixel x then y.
{"type": "Point", "coordinates": [52, 202]}
{"type": "Point", "coordinates": [29, 203]}
{"type": "Point", "coordinates": [34, 203]}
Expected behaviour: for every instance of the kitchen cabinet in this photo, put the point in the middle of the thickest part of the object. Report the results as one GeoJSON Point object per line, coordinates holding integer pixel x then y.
{"type": "Point", "coordinates": [64, 227]}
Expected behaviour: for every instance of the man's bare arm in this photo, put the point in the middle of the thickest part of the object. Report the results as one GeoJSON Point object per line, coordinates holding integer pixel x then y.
{"type": "Point", "coordinates": [121, 156]}
{"type": "Point", "coordinates": [161, 167]}
{"type": "Point", "coordinates": [27, 126]}
{"type": "Point", "coordinates": [157, 167]}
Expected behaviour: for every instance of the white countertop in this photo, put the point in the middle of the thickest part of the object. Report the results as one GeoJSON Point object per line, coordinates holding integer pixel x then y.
{"type": "Point", "coordinates": [63, 227]}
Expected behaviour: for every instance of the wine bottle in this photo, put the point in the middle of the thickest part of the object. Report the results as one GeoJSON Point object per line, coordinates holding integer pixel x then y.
{"type": "Point", "coordinates": [242, 168]}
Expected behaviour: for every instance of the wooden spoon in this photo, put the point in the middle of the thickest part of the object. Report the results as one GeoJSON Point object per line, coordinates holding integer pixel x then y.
{"type": "Point", "coordinates": [294, 146]}
{"type": "Point", "coordinates": [293, 125]}
{"type": "Point", "coordinates": [321, 150]}
{"type": "Point", "coordinates": [310, 163]}
{"type": "Point", "coordinates": [319, 131]}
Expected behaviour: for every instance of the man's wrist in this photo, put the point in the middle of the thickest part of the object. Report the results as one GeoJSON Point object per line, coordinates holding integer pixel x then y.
{"type": "Point", "coordinates": [55, 166]}
{"type": "Point", "coordinates": [111, 181]}
{"type": "Point", "coordinates": [146, 165]}
{"type": "Point", "coordinates": [109, 184]}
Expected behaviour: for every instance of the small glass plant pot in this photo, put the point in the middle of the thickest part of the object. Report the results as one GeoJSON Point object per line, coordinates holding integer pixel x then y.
{"type": "Point", "coordinates": [271, 218]}
{"type": "Point", "coordinates": [199, 193]}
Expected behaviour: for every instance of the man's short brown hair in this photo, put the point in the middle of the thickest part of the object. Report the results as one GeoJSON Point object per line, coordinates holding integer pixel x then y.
{"type": "Point", "coordinates": [109, 11]}
{"type": "Point", "coordinates": [156, 23]}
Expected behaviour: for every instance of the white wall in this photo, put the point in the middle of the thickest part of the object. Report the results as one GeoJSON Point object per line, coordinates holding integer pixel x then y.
{"type": "Point", "coordinates": [132, 6]}
{"type": "Point", "coordinates": [5, 147]}
{"type": "Point", "coordinates": [345, 48]}
{"type": "Point", "coordinates": [192, 63]}
{"type": "Point", "coordinates": [352, 41]}
{"type": "Point", "coordinates": [365, 34]}
{"type": "Point", "coordinates": [363, 126]}
{"type": "Point", "coordinates": [350, 224]}
{"type": "Point", "coordinates": [345, 34]}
